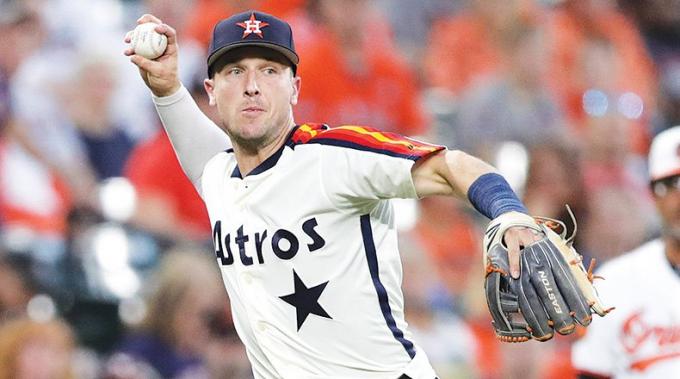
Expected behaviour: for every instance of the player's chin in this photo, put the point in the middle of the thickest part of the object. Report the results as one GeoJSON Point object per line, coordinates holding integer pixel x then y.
{"type": "Point", "coordinates": [247, 126]}
{"type": "Point", "coordinates": [249, 136]}
{"type": "Point", "coordinates": [253, 131]}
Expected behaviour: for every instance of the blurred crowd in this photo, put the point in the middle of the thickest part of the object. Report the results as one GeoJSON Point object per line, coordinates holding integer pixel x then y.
{"type": "Point", "coordinates": [107, 267]}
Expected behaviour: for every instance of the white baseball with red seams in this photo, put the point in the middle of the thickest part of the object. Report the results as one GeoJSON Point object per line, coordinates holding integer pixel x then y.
{"type": "Point", "coordinates": [147, 42]}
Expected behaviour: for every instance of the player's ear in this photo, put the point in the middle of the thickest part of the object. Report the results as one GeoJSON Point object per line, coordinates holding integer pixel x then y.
{"type": "Point", "coordinates": [295, 82]}
{"type": "Point", "coordinates": [209, 86]}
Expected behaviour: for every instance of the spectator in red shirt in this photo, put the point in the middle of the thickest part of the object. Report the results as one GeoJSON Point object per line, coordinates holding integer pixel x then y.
{"type": "Point", "coordinates": [167, 202]}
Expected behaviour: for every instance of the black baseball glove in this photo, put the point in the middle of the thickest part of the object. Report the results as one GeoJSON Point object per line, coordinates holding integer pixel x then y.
{"type": "Point", "coordinates": [554, 290]}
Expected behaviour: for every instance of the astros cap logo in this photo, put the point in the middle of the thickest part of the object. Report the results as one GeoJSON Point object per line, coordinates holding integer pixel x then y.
{"type": "Point", "coordinates": [240, 30]}
{"type": "Point", "coordinates": [252, 26]}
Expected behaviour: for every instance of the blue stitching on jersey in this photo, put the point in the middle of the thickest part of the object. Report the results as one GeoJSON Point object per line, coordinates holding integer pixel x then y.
{"type": "Point", "coordinates": [369, 246]}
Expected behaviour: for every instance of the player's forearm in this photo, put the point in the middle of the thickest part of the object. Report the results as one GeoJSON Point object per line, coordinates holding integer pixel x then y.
{"type": "Point", "coordinates": [194, 136]}
{"type": "Point", "coordinates": [483, 187]}
{"type": "Point", "coordinates": [449, 172]}
{"type": "Point", "coordinates": [454, 172]}
{"type": "Point", "coordinates": [464, 169]}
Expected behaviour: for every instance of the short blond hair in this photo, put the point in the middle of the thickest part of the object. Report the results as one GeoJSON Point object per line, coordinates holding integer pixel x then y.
{"type": "Point", "coordinates": [16, 334]}
{"type": "Point", "coordinates": [180, 271]}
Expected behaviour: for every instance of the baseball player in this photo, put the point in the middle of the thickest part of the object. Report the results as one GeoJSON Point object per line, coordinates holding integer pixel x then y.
{"type": "Point", "coordinates": [302, 221]}
{"type": "Point", "coordinates": [641, 339]}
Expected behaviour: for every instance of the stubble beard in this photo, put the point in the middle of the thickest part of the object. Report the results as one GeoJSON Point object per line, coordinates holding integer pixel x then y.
{"type": "Point", "coordinates": [249, 145]}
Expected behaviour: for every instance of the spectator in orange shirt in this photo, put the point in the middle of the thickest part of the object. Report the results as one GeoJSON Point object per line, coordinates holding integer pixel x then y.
{"type": "Point", "coordinates": [279, 8]}
{"type": "Point", "coordinates": [510, 105]}
{"type": "Point", "coordinates": [465, 47]}
{"type": "Point", "coordinates": [598, 57]}
{"type": "Point", "coordinates": [658, 24]}
{"type": "Point", "coordinates": [411, 22]}
{"type": "Point", "coordinates": [352, 73]}
{"type": "Point", "coordinates": [207, 13]}
{"type": "Point", "coordinates": [450, 237]}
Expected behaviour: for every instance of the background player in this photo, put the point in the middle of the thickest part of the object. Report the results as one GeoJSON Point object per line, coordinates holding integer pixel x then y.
{"type": "Point", "coordinates": [304, 233]}
{"type": "Point", "coordinates": [641, 339]}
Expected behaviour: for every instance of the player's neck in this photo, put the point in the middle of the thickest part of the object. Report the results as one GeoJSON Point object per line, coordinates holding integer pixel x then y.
{"type": "Point", "coordinates": [249, 157]}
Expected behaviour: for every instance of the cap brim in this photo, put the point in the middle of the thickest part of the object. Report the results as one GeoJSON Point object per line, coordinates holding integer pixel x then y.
{"type": "Point", "coordinates": [290, 55]}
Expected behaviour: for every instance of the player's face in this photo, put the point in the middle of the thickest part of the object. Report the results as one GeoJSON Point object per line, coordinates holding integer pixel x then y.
{"type": "Point", "coordinates": [254, 93]}
{"type": "Point", "coordinates": [667, 197]}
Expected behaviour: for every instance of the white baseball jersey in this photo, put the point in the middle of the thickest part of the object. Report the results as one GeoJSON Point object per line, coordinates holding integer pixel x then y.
{"type": "Point", "coordinates": [307, 247]}
{"type": "Point", "coordinates": [641, 337]}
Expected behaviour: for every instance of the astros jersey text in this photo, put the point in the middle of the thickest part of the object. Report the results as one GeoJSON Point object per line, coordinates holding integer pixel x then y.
{"type": "Point", "coordinates": [308, 251]}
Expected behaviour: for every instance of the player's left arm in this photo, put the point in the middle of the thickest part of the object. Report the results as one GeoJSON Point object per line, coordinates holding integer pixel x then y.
{"type": "Point", "coordinates": [456, 173]}
{"type": "Point", "coordinates": [448, 173]}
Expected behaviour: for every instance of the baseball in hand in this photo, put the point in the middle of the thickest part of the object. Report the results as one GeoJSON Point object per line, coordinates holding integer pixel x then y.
{"type": "Point", "coordinates": [147, 42]}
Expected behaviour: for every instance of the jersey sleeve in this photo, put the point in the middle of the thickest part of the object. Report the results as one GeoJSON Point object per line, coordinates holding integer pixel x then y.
{"type": "Point", "coordinates": [360, 163]}
{"type": "Point", "coordinates": [194, 137]}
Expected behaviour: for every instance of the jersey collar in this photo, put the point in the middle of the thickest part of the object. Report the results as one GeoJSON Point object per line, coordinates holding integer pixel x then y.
{"type": "Point", "coordinates": [270, 161]}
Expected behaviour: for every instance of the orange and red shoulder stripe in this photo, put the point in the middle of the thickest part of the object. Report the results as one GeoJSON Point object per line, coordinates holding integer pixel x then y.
{"type": "Point", "coordinates": [364, 139]}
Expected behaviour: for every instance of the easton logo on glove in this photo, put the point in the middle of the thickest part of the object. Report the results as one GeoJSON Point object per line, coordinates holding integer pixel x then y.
{"type": "Point", "coordinates": [554, 291]}
{"type": "Point", "coordinates": [549, 290]}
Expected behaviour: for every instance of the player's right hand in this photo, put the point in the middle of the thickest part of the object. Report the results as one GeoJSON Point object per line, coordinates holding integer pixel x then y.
{"type": "Point", "coordinates": [161, 74]}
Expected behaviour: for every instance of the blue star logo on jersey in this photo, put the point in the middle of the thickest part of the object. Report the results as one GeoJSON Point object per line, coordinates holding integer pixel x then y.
{"type": "Point", "coordinates": [305, 300]}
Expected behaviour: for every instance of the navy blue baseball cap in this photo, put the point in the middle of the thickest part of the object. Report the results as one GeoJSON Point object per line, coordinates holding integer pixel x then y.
{"type": "Point", "coordinates": [252, 28]}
